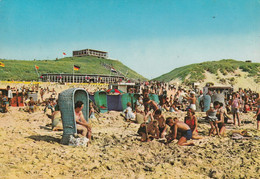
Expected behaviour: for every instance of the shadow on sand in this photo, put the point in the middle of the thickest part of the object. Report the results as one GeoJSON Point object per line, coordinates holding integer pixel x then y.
{"type": "Point", "coordinates": [45, 138]}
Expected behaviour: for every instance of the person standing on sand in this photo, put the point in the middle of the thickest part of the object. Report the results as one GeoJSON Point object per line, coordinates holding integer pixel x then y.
{"type": "Point", "coordinates": [9, 94]}
{"type": "Point", "coordinates": [212, 117]}
{"type": "Point", "coordinates": [192, 100]}
{"type": "Point", "coordinates": [221, 121]}
{"type": "Point", "coordinates": [179, 126]}
{"type": "Point", "coordinates": [206, 101]}
{"type": "Point", "coordinates": [235, 105]}
{"type": "Point", "coordinates": [82, 126]}
{"type": "Point", "coordinates": [257, 116]}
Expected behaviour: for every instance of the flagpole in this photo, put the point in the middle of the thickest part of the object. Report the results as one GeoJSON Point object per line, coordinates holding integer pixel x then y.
{"type": "Point", "coordinates": [73, 73]}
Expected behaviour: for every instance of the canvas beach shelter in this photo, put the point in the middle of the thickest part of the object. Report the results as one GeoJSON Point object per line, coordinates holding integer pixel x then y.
{"type": "Point", "coordinates": [67, 100]}
{"type": "Point", "coordinates": [101, 101]}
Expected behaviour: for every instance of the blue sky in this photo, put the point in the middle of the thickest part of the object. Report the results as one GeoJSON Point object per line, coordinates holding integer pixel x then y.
{"type": "Point", "coordinates": [151, 37]}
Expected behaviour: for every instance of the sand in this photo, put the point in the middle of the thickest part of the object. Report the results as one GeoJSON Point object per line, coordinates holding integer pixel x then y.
{"type": "Point", "coordinates": [28, 148]}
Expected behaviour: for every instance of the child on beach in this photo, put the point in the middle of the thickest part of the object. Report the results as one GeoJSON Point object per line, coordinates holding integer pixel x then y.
{"type": "Point", "coordinates": [161, 123]}
{"type": "Point", "coordinates": [179, 126]}
{"type": "Point", "coordinates": [91, 111]}
{"type": "Point", "coordinates": [129, 114]}
{"type": "Point", "coordinates": [31, 104]}
{"type": "Point", "coordinates": [221, 122]}
{"type": "Point", "coordinates": [149, 131]}
{"type": "Point", "coordinates": [211, 115]}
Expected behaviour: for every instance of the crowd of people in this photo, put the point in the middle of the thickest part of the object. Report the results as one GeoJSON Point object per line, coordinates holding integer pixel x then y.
{"type": "Point", "coordinates": [217, 104]}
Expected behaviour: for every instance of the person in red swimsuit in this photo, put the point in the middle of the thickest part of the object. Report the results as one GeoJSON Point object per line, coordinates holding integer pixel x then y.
{"type": "Point", "coordinates": [191, 121]}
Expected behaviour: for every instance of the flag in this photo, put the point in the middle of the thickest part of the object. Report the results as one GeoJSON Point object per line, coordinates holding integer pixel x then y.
{"type": "Point", "coordinates": [76, 67]}
{"type": "Point", "coordinates": [36, 67]}
{"type": "Point", "coordinates": [64, 53]}
{"type": "Point", "coordinates": [113, 70]}
{"type": "Point", "coordinates": [2, 64]}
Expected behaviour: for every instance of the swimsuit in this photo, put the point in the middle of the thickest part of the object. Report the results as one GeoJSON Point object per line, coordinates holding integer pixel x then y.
{"type": "Point", "coordinates": [212, 115]}
{"type": "Point", "coordinates": [191, 123]}
{"type": "Point", "coordinates": [187, 134]}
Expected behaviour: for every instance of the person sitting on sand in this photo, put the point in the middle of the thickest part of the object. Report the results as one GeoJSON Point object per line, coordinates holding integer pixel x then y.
{"type": "Point", "coordinates": [3, 106]}
{"type": "Point", "coordinates": [192, 122]}
{"type": "Point", "coordinates": [83, 127]}
{"type": "Point", "coordinates": [257, 116]}
{"type": "Point", "coordinates": [149, 131]}
{"type": "Point", "coordinates": [48, 105]}
{"type": "Point", "coordinates": [129, 114]}
{"type": "Point", "coordinates": [31, 104]}
{"type": "Point", "coordinates": [161, 123]}
{"type": "Point", "coordinates": [139, 108]}
{"type": "Point", "coordinates": [173, 107]}
{"type": "Point", "coordinates": [179, 126]}
{"type": "Point", "coordinates": [211, 116]}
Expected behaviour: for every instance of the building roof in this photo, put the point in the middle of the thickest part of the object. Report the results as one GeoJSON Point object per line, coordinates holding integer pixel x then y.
{"type": "Point", "coordinates": [91, 50]}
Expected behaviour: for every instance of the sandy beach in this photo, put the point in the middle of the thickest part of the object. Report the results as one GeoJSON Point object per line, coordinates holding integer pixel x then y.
{"type": "Point", "coordinates": [29, 149]}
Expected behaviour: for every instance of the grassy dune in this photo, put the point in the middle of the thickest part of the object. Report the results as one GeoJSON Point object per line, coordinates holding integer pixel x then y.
{"type": "Point", "coordinates": [195, 72]}
{"type": "Point", "coordinates": [24, 70]}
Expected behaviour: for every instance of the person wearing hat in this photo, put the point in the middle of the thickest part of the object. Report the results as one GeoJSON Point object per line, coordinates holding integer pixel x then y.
{"type": "Point", "coordinates": [192, 100]}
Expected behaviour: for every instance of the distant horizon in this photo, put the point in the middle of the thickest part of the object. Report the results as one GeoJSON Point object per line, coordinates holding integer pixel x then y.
{"type": "Point", "coordinates": [151, 37]}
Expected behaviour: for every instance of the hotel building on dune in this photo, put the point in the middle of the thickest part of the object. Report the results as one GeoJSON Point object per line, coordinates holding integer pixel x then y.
{"type": "Point", "coordinates": [90, 52]}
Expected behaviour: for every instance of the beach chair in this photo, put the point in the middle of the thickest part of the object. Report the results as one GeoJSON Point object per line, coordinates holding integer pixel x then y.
{"type": "Point", "coordinates": [101, 101]}
{"type": "Point", "coordinates": [127, 97]}
{"type": "Point", "coordinates": [67, 100]}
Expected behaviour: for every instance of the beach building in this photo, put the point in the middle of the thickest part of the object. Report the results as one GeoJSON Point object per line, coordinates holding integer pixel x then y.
{"type": "Point", "coordinates": [126, 87]}
{"type": "Point", "coordinates": [90, 52]}
{"type": "Point", "coordinates": [81, 78]}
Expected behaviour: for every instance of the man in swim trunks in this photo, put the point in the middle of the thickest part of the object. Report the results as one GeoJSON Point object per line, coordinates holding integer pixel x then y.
{"type": "Point", "coordinates": [192, 100]}
{"type": "Point", "coordinates": [83, 127]}
{"type": "Point", "coordinates": [179, 126]}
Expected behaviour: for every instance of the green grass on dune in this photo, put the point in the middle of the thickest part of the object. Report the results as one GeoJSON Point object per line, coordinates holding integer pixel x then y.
{"type": "Point", "coordinates": [24, 70]}
{"type": "Point", "coordinates": [196, 70]}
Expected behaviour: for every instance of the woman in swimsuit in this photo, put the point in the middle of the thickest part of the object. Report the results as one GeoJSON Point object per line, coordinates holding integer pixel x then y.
{"type": "Point", "coordinates": [191, 121]}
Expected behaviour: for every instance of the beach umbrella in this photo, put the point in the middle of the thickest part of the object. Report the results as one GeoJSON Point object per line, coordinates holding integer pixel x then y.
{"type": "Point", "coordinates": [114, 91]}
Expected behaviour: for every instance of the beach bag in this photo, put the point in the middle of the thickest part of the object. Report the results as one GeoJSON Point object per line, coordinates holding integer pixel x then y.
{"type": "Point", "coordinates": [139, 118]}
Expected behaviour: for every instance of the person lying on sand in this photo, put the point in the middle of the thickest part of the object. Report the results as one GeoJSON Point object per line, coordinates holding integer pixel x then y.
{"type": "Point", "coordinates": [149, 131]}
{"type": "Point", "coordinates": [161, 123]}
{"type": "Point", "coordinates": [82, 126]}
{"type": "Point", "coordinates": [191, 120]}
{"type": "Point", "coordinates": [179, 126]}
